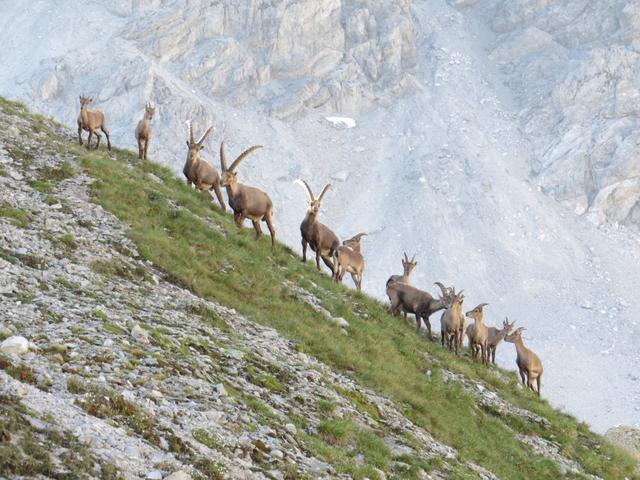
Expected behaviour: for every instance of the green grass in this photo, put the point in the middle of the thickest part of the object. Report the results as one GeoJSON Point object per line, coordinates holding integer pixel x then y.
{"type": "Point", "coordinates": [16, 216]}
{"type": "Point", "coordinates": [379, 351]}
{"type": "Point", "coordinates": [26, 450]}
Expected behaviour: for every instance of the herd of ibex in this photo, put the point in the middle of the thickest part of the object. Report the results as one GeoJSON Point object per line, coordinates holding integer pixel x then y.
{"type": "Point", "coordinates": [254, 204]}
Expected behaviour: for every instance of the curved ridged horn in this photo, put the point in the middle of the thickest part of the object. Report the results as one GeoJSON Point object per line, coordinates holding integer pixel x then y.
{"type": "Point", "coordinates": [413, 259]}
{"type": "Point", "coordinates": [190, 127]}
{"type": "Point", "coordinates": [326, 188]}
{"type": "Point", "coordinates": [406, 258]}
{"type": "Point", "coordinates": [242, 156]}
{"type": "Point", "coordinates": [223, 158]}
{"type": "Point", "coordinates": [442, 287]}
{"type": "Point", "coordinates": [359, 236]}
{"type": "Point", "coordinates": [204, 136]}
{"type": "Point", "coordinates": [306, 187]}
{"type": "Point", "coordinates": [483, 305]}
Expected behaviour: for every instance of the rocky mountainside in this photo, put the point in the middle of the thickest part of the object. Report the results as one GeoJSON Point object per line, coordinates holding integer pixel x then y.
{"type": "Point", "coordinates": [131, 367]}
{"type": "Point", "coordinates": [474, 125]}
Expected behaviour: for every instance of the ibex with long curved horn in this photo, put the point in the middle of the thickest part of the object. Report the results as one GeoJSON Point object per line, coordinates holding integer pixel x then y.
{"type": "Point", "coordinates": [348, 258]}
{"type": "Point", "coordinates": [90, 121]}
{"type": "Point", "coordinates": [199, 172]}
{"type": "Point", "coordinates": [407, 266]}
{"type": "Point", "coordinates": [409, 299]}
{"type": "Point", "coordinates": [246, 201]}
{"type": "Point", "coordinates": [529, 364]}
{"type": "Point", "coordinates": [143, 131]}
{"type": "Point", "coordinates": [318, 236]}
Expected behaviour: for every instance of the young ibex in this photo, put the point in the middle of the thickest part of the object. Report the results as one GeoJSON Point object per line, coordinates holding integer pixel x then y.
{"type": "Point", "coordinates": [245, 201]}
{"type": "Point", "coordinates": [90, 121]}
{"type": "Point", "coordinates": [496, 336]}
{"type": "Point", "coordinates": [407, 266]}
{"type": "Point", "coordinates": [409, 299]}
{"type": "Point", "coordinates": [478, 334]}
{"type": "Point", "coordinates": [143, 131]}
{"type": "Point", "coordinates": [452, 322]}
{"type": "Point", "coordinates": [317, 235]}
{"type": "Point", "coordinates": [199, 172]}
{"type": "Point", "coordinates": [528, 362]}
{"type": "Point", "coordinates": [347, 258]}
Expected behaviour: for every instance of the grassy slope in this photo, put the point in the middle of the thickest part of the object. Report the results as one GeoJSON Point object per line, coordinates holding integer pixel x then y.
{"type": "Point", "coordinates": [172, 227]}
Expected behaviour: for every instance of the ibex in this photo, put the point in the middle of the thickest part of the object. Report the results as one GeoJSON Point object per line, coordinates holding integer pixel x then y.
{"type": "Point", "coordinates": [347, 258]}
{"type": "Point", "coordinates": [409, 299]}
{"type": "Point", "coordinates": [247, 202]}
{"type": "Point", "coordinates": [143, 131]}
{"type": "Point", "coordinates": [318, 236]}
{"type": "Point", "coordinates": [452, 322]}
{"type": "Point", "coordinates": [478, 334]}
{"type": "Point", "coordinates": [407, 266]}
{"type": "Point", "coordinates": [528, 362]}
{"type": "Point", "coordinates": [199, 172]}
{"type": "Point", "coordinates": [90, 121]}
{"type": "Point", "coordinates": [496, 336]}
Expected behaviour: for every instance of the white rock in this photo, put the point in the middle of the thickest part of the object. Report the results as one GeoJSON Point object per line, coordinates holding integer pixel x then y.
{"type": "Point", "coordinates": [140, 334]}
{"type": "Point", "coordinates": [16, 344]}
{"type": "Point", "coordinates": [154, 475]}
{"type": "Point", "coordinates": [291, 428]}
{"type": "Point", "coordinates": [341, 322]}
{"type": "Point", "coordinates": [220, 390]}
{"type": "Point", "coordinates": [342, 122]}
{"type": "Point", "coordinates": [179, 475]}
{"type": "Point", "coordinates": [108, 342]}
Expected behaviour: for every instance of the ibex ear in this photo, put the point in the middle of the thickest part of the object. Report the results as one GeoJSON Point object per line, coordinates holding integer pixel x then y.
{"type": "Point", "coordinates": [201, 147]}
{"type": "Point", "coordinates": [90, 99]}
{"type": "Point", "coordinates": [188, 145]}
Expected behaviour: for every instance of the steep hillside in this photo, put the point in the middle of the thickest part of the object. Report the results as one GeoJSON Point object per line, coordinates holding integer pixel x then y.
{"type": "Point", "coordinates": [163, 339]}
{"type": "Point", "coordinates": [466, 133]}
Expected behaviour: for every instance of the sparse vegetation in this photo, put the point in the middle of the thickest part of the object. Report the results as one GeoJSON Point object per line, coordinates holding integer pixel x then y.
{"type": "Point", "coordinates": [379, 351]}
{"type": "Point", "coordinates": [16, 216]}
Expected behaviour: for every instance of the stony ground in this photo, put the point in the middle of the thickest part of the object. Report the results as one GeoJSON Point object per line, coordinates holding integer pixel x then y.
{"type": "Point", "coordinates": [141, 379]}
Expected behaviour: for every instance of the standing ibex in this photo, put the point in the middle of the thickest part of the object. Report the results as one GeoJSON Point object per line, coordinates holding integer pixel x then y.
{"type": "Point", "coordinates": [528, 362]}
{"type": "Point", "coordinates": [247, 202]}
{"type": "Point", "coordinates": [496, 336]}
{"type": "Point", "coordinates": [452, 322]}
{"type": "Point", "coordinates": [407, 266]}
{"type": "Point", "coordinates": [90, 121]}
{"type": "Point", "coordinates": [199, 172]}
{"type": "Point", "coordinates": [478, 334]}
{"type": "Point", "coordinates": [317, 235]}
{"type": "Point", "coordinates": [347, 258]}
{"type": "Point", "coordinates": [409, 299]}
{"type": "Point", "coordinates": [143, 131]}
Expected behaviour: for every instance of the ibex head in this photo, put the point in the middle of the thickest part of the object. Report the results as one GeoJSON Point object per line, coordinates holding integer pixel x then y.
{"type": "Point", "coordinates": [229, 174]}
{"type": "Point", "coordinates": [515, 336]}
{"type": "Point", "coordinates": [506, 326]}
{"type": "Point", "coordinates": [354, 242]}
{"type": "Point", "coordinates": [85, 101]}
{"type": "Point", "coordinates": [315, 203]}
{"type": "Point", "coordinates": [477, 312]}
{"type": "Point", "coordinates": [194, 147]}
{"type": "Point", "coordinates": [409, 265]}
{"type": "Point", "coordinates": [149, 111]}
{"type": "Point", "coordinates": [447, 293]}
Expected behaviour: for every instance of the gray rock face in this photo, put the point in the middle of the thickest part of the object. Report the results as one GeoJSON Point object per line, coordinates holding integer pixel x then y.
{"type": "Point", "coordinates": [626, 437]}
{"type": "Point", "coordinates": [573, 67]}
